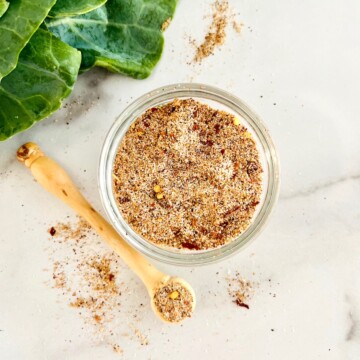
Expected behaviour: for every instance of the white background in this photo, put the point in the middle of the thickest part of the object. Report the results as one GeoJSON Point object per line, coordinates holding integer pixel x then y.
{"type": "Point", "coordinates": [296, 63]}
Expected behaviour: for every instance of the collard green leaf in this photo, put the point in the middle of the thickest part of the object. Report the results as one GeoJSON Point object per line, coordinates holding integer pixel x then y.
{"type": "Point", "coordinates": [45, 74]}
{"type": "Point", "coordinates": [17, 25]}
{"type": "Point", "coordinates": [3, 7]}
{"type": "Point", "coordinates": [64, 8]}
{"type": "Point", "coordinates": [123, 36]}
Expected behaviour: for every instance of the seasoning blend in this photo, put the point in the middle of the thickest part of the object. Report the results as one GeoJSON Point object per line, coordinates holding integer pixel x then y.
{"type": "Point", "coordinates": [174, 301]}
{"type": "Point", "coordinates": [187, 176]}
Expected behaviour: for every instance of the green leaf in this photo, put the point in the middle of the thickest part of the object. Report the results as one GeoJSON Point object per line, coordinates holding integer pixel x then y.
{"type": "Point", "coordinates": [64, 8]}
{"type": "Point", "coordinates": [45, 74]}
{"type": "Point", "coordinates": [123, 36]}
{"type": "Point", "coordinates": [3, 7]}
{"type": "Point", "coordinates": [17, 26]}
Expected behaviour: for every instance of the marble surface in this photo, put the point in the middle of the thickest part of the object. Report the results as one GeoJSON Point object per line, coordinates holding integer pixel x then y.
{"type": "Point", "coordinates": [296, 63]}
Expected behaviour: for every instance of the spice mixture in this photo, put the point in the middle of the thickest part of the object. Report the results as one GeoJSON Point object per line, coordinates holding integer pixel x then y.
{"type": "Point", "coordinates": [187, 176]}
{"type": "Point", "coordinates": [86, 274]}
{"type": "Point", "coordinates": [240, 290]}
{"type": "Point", "coordinates": [216, 34]}
{"type": "Point", "coordinates": [174, 301]}
{"type": "Point", "coordinates": [165, 24]}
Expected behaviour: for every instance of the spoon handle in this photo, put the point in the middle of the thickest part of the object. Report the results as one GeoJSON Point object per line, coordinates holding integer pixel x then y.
{"type": "Point", "coordinates": [54, 179]}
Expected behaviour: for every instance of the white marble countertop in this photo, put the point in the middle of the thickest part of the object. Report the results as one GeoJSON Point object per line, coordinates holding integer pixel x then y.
{"type": "Point", "coordinates": [296, 63]}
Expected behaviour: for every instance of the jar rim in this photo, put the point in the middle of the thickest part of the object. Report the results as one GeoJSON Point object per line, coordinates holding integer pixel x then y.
{"type": "Point", "coordinates": [158, 97]}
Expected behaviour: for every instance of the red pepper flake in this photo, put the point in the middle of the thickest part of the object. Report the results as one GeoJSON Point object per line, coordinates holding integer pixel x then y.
{"type": "Point", "coordinates": [207, 142]}
{"type": "Point", "coordinates": [224, 224]}
{"type": "Point", "coordinates": [238, 302]}
{"type": "Point", "coordinates": [222, 151]}
{"type": "Point", "coordinates": [217, 128]}
{"type": "Point", "coordinates": [52, 231]}
{"type": "Point", "coordinates": [235, 208]}
{"type": "Point", "coordinates": [195, 127]}
{"type": "Point", "coordinates": [203, 230]}
{"type": "Point", "coordinates": [190, 246]}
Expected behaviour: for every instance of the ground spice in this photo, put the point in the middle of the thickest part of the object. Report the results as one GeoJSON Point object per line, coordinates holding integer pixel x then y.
{"type": "Point", "coordinates": [240, 290]}
{"type": "Point", "coordinates": [187, 176]}
{"type": "Point", "coordinates": [166, 24]}
{"type": "Point", "coordinates": [118, 349]}
{"type": "Point", "coordinates": [174, 301]}
{"type": "Point", "coordinates": [142, 338]}
{"type": "Point", "coordinates": [216, 34]}
{"type": "Point", "coordinates": [88, 280]}
{"type": "Point", "coordinates": [102, 287]}
{"type": "Point", "coordinates": [237, 26]}
{"type": "Point", "coordinates": [65, 231]}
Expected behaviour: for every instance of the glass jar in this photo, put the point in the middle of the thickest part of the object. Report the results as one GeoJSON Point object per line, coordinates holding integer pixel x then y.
{"type": "Point", "coordinates": [218, 99]}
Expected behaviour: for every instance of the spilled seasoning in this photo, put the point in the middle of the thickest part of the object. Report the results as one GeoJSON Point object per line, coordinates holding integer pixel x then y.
{"type": "Point", "coordinates": [237, 26]}
{"type": "Point", "coordinates": [87, 275]}
{"type": "Point", "coordinates": [165, 24]}
{"type": "Point", "coordinates": [216, 33]}
{"type": "Point", "coordinates": [142, 338]}
{"type": "Point", "coordinates": [240, 290]}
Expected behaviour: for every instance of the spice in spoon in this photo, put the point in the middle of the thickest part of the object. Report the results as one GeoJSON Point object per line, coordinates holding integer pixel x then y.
{"type": "Point", "coordinates": [174, 301]}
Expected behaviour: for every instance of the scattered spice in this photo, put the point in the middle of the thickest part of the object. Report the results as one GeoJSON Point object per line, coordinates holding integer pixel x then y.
{"type": "Point", "coordinates": [88, 280]}
{"type": "Point", "coordinates": [195, 190]}
{"type": "Point", "coordinates": [58, 275]}
{"type": "Point", "coordinates": [65, 231]}
{"type": "Point", "coordinates": [174, 301]}
{"type": "Point", "coordinates": [237, 26]}
{"type": "Point", "coordinates": [142, 338]}
{"type": "Point", "coordinates": [222, 16]}
{"type": "Point", "coordinates": [166, 24]}
{"type": "Point", "coordinates": [216, 34]}
{"type": "Point", "coordinates": [118, 349]}
{"type": "Point", "coordinates": [240, 290]}
{"type": "Point", "coordinates": [101, 290]}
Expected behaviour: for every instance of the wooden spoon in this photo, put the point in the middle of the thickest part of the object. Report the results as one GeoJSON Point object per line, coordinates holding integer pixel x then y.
{"type": "Point", "coordinates": [54, 179]}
